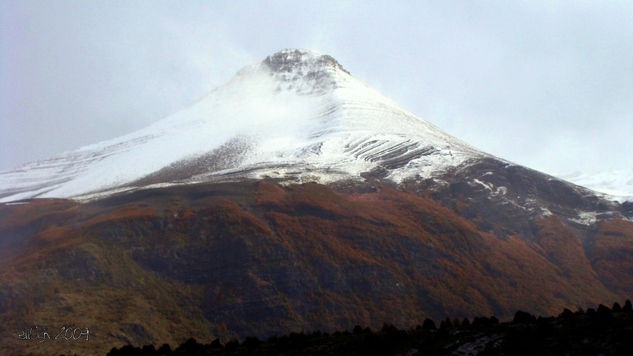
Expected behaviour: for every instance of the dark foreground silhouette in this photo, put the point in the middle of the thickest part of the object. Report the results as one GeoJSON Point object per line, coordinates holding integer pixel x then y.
{"type": "Point", "coordinates": [606, 331]}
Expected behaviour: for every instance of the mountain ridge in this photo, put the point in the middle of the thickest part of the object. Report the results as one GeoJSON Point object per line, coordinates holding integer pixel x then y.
{"type": "Point", "coordinates": [298, 116]}
{"type": "Point", "coordinates": [295, 109]}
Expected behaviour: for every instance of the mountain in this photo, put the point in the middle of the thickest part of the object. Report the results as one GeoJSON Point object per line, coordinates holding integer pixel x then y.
{"type": "Point", "coordinates": [297, 116]}
{"type": "Point", "coordinates": [293, 198]}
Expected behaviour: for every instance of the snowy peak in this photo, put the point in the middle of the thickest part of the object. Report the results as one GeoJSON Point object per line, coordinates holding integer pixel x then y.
{"type": "Point", "coordinates": [297, 116]}
{"type": "Point", "coordinates": [316, 73]}
{"type": "Point", "coordinates": [301, 61]}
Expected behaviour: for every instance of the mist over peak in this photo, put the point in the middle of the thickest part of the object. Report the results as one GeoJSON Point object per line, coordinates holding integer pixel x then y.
{"type": "Point", "coordinates": [299, 116]}
{"type": "Point", "coordinates": [288, 60]}
{"type": "Point", "coordinates": [306, 71]}
{"type": "Point", "coordinates": [296, 117]}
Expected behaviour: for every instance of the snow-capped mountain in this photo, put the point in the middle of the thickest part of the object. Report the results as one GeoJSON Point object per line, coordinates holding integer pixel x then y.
{"type": "Point", "coordinates": [298, 116]}
{"type": "Point", "coordinates": [407, 223]}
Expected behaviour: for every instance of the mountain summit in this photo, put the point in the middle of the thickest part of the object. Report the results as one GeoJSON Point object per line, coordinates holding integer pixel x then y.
{"type": "Point", "coordinates": [297, 116]}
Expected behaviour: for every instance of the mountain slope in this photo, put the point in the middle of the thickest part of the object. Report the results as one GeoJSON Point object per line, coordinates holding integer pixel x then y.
{"type": "Point", "coordinates": [298, 115]}
{"type": "Point", "coordinates": [256, 258]}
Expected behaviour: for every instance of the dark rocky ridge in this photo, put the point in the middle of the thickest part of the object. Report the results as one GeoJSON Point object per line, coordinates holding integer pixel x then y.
{"type": "Point", "coordinates": [289, 60]}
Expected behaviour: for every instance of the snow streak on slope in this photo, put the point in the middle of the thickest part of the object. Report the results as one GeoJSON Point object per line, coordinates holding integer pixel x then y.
{"type": "Point", "coordinates": [616, 184]}
{"type": "Point", "coordinates": [298, 116]}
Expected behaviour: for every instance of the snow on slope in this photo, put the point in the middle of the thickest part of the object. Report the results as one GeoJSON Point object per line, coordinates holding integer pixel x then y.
{"type": "Point", "coordinates": [616, 184]}
{"type": "Point", "coordinates": [298, 116]}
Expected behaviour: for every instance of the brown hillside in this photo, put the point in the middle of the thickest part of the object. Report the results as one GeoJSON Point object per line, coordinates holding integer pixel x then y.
{"type": "Point", "coordinates": [255, 258]}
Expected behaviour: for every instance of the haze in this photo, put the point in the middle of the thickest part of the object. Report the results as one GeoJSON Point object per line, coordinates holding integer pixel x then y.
{"type": "Point", "coordinates": [544, 84]}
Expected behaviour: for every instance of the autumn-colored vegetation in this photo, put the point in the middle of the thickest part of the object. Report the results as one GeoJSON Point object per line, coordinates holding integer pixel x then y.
{"type": "Point", "coordinates": [257, 259]}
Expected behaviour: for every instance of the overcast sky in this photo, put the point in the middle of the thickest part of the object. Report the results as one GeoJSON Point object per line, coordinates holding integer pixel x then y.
{"type": "Point", "coordinates": [545, 84]}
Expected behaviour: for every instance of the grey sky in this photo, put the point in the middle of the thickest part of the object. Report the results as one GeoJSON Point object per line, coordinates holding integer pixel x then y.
{"type": "Point", "coordinates": [545, 84]}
